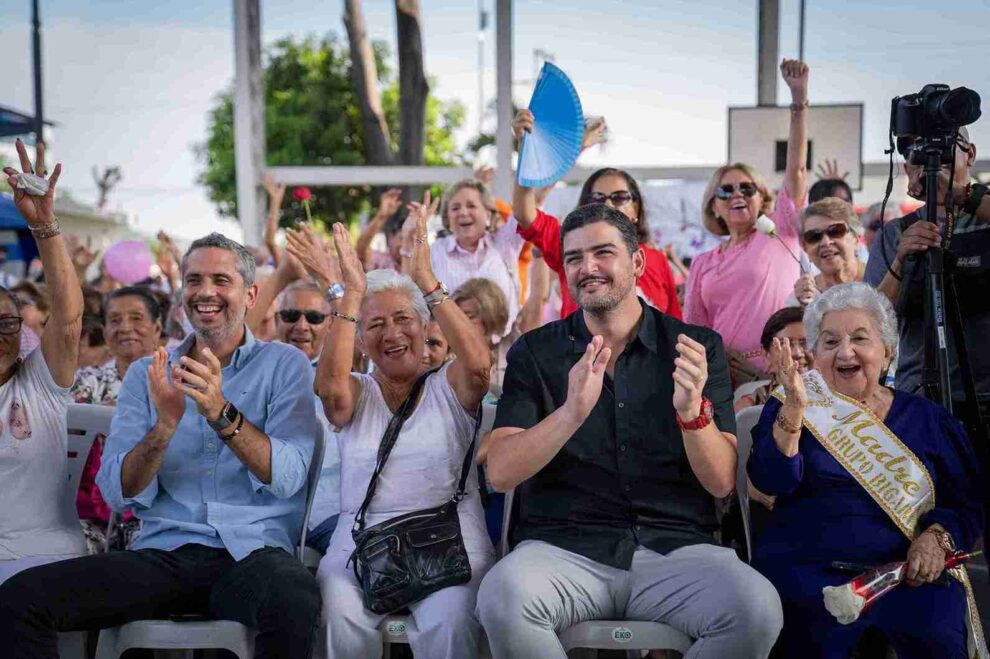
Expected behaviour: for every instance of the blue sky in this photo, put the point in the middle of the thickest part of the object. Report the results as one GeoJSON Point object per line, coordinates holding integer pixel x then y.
{"type": "Point", "coordinates": [130, 82]}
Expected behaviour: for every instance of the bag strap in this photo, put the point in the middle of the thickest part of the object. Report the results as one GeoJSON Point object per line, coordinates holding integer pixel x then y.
{"type": "Point", "coordinates": [392, 435]}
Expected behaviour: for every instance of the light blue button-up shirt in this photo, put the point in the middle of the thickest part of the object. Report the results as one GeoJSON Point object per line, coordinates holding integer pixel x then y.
{"type": "Point", "coordinates": [203, 493]}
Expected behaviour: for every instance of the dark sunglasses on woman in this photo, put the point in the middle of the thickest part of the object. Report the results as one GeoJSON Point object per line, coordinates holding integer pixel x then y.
{"type": "Point", "coordinates": [290, 316]}
{"type": "Point", "coordinates": [833, 231]}
{"type": "Point", "coordinates": [724, 192]}
{"type": "Point", "coordinates": [618, 198]}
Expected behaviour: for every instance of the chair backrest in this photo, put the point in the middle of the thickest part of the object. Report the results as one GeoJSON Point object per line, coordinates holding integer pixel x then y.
{"type": "Point", "coordinates": [747, 388]}
{"type": "Point", "coordinates": [746, 420]}
{"type": "Point", "coordinates": [84, 423]}
{"type": "Point", "coordinates": [312, 479]}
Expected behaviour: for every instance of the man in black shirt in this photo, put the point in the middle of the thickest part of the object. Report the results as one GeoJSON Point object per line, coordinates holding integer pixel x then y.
{"type": "Point", "coordinates": [617, 429]}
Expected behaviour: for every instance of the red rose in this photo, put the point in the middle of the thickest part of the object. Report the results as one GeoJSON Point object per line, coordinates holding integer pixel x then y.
{"type": "Point", "coordinates": [301, 194]}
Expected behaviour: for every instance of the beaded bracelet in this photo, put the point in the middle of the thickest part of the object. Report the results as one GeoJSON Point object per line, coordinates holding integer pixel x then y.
{"type": "Point", "coordinates": [47, 230]}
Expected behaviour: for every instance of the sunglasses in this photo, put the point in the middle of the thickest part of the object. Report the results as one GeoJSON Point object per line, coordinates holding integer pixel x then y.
{"type": "Point", "coordinates": [833, 231]}
{"type": "Point", "coordinates": [619, 198]}
{"type": "Point", "coordinates": [10, 325]}
{"type": "Point", "coordinates": [293, 315]}
{"type": "Point", "coordinates": [724, 192]}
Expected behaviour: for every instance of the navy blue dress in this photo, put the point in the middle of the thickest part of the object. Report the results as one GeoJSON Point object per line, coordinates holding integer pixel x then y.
{"type": "Point", "coordinates": [822, 514]}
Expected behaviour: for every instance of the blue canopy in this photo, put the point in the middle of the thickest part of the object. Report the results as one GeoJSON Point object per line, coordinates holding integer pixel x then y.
{"type": "Point", "coordinates": [23, 248]}
{"type": "Point", "coordinates": [13, 123]}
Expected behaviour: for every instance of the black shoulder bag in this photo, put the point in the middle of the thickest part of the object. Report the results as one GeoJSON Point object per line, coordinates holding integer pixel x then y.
{"type": "Point", "coordinates": [406, 558]}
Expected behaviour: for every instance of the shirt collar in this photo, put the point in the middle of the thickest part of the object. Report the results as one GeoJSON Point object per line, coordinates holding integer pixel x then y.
{"type": "Point", "coordinates": [580, 336]}
{"type": "Point", "coordinates": [454, 248]}
{"type": "Point", "coordinates": [241, 355]}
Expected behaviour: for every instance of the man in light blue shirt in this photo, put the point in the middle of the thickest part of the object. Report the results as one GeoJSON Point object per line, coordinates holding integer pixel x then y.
{"type": "Point", "coordinates": [210, 447]}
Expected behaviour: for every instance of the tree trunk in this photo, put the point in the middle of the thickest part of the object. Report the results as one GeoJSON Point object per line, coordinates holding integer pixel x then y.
{"type": "Point", "coordinates": [413, 87]}
{"type": "Point", "coordinates": [364, 78]}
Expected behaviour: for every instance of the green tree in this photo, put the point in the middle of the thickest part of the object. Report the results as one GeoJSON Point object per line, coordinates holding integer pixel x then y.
{"type": "Point", "coordinates": [312, 118]}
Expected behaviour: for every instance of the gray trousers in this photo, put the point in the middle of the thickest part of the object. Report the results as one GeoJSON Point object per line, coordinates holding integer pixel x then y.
{"type": "Point", "coordinates": [540, 590]}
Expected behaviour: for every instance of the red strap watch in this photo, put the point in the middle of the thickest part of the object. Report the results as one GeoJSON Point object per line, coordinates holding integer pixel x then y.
{"type": "Point", "coordinates": [704, 417]}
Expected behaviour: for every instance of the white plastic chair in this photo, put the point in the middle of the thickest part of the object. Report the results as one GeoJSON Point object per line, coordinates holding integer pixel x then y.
{"type": "Point", "coordinates": [586, 638]}
{"type": "Point", "coordinates": [202, 634]}
{"type": "Point", "coordinates": [747, 388]}
{"type": "Point", "coordinates": [83, 424]}
{"type": "Point", "coordinates": [746, 420]}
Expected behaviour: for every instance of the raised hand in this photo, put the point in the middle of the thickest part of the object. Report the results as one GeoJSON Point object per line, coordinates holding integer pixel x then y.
{"type": "Point", "coordinates": [786, 374]}
{"type": "Point", "coordinates": [795, 74]}
{"type": "Point", "coordinates": [37, 210]}
{"type": "Point", "coordinates": [276, 191]}
{"type": "Point", "coordinates": [829, 170]}
{"type": "Point", "coordinates": [485, 174]}
{"type": "Point", "coordinates": [415, 250]}
{"type": "Point", "coordinates": [690, 376]}
{"type": "Point", "coordinates": [202, 383]}
{"type": "Point", "coordinates": [169, 401]}
{"type": "Point", "coordinates": [595, 132]}
{"type": "Point", "coordinates": [584, 382]}
{"type": "Point", "coordinates": [309, 251]}
{"type": "Point", "coordinates": [389, 202]}
{"type": "Point", "coordinates": [805, 289]}
{"type": "Point", "coordinates": [289, 267]}
{"type": "Point", "coordinates": [522, 123]}
{"type": "Point", "coordinates": [351, 270]}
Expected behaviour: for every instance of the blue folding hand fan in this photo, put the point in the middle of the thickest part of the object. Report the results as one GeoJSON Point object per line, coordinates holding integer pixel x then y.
{"type": "Point", "coordinates": [549, 152]}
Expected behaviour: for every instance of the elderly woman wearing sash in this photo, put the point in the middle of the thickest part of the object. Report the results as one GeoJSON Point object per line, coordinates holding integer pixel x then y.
{"type": "Point", "coordinates": [868, 475]}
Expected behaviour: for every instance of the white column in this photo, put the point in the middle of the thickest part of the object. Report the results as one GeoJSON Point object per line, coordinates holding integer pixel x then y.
{"type": "Point", "coordinates": [503, 64]}
{"type": "Point", "coordinates": [249, 119]}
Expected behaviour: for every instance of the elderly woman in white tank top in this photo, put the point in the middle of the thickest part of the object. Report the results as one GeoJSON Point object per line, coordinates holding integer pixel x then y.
{"type": "Point", "coordinates": [387, 312]}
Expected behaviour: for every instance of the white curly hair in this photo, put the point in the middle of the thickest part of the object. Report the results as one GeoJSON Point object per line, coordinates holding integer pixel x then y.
{"type": "Point", "coordinates": [855, 295]}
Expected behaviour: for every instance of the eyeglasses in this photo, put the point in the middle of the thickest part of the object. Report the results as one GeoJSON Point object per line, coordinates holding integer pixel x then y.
{"type": "Point", "coordinates": [10, 325]}
{"type": "Point", "coordinates": [618, 198]}
{"type": "Point", "coordinates": [293, 315]}
{"type": "Point", "coordinates": [833, 231]}
{"type": "Point", "coordinates": [747, 190]}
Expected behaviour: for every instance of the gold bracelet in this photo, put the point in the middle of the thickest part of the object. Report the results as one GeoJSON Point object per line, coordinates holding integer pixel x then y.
{"type": "Point", "coordinates": [785, 425]}
{"type": "Point", "coordinates": [47, 230]}
{"type": "Point", "coordinates": [944, 539]}
{"type": "Point", "coordinates": [344, 316]}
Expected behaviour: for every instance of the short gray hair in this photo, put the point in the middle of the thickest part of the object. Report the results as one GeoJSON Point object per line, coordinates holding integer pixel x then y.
{"type": "Point", "coordinates": [245, 261]}
{"type": "Point", "coordinates": [855, 295]}
{"type": "Point", "coordinates": [302, 286]}
{"type": "Point", "coordinates": [386, 279]}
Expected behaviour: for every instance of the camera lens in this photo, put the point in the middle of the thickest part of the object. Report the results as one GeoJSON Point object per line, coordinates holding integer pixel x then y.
{"type": "Point", "coordinates": [958, 107]}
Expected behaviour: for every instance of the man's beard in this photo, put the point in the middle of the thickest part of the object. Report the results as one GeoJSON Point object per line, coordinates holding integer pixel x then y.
{"type": "Point", "coordinates": [601, 303]}
{"type": "Point", "coordinates": [227, 327]}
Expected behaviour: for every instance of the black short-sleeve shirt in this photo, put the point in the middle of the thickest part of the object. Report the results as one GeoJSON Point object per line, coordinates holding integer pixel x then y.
{"type": "Point", "coordinates": [623, 479]}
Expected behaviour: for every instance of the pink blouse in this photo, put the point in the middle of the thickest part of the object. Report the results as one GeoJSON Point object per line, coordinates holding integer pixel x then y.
{"type": "Point", "coordinates": [734, 291]}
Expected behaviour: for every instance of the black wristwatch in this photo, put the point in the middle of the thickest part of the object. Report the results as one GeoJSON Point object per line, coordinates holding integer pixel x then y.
{"type": "Point", "coordinates": [227, 417]}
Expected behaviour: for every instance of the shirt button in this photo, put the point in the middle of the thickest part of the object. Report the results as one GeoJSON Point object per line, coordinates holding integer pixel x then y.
{"type": "Point", "coordinates": [638, 527]}
{"type": "Point", "coordinates": [622, 447]}
{"type": "Point", "coordinates": [621, 405]}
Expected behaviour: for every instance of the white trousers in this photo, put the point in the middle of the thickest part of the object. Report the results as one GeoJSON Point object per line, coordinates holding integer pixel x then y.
{"type": "Point", "coordinates": [446, 621]}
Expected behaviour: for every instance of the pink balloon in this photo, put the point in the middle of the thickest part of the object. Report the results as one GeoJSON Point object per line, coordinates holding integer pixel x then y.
{"type": "Point", "coordinates": [128, 261]}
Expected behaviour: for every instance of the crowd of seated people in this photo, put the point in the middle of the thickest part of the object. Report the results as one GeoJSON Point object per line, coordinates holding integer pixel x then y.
{"type": "Point", "coordinates": [614, 425]}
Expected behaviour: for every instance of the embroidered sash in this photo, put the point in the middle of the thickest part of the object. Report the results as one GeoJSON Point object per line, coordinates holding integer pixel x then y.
{"type": "Point", "coordinates": [888, 470]}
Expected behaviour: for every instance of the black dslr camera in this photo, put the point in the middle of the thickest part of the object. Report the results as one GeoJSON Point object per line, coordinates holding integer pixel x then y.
{"type": "Point", "coordinates": [929, 120]}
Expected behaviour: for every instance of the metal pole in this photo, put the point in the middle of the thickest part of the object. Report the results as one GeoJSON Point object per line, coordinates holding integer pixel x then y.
{"type": "Point", "coordinates": [503, 61]}
{"type": "Point", "coordinates": [249, 121]}
{"type": "Point", "coordinates": [801, 31]}
{"type": "Point", "coordinates": [767, 52]}
{"type": "Point", "coordinates": [482, 24]}
{"type": "Point", "coordinates": [39, 112]}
